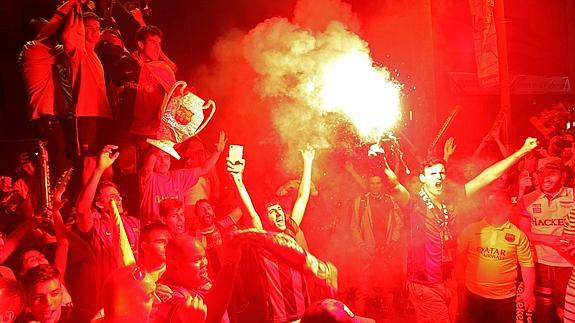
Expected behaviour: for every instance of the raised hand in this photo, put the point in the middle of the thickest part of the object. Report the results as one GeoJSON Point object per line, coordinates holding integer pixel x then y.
{"type": "Point", "coordinates": [525, 180]}
{"type": "Point", "coordinates": [222, 140]}
{"type": "Point", "coordinates": [529, 145]}
{"type": "Point", "coordinates": [449, 148]}
{"type": "Point", "coordinates": [308, 153]}
{"type": "Point", "coordinates": [138, 16]}
{"type": "Point", "coordinates": [107, 157]}
{"type": "Point", "coordinates": [236, 167]}
{"type": "Point", "coordinates": [73, 34]}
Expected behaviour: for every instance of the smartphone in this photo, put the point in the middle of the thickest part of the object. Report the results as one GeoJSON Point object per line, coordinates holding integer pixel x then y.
{"type": "Point", "coordinates": [236, 152]}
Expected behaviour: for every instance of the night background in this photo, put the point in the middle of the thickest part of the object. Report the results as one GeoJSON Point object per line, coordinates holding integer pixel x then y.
{"type": "Point", "coordinates": [420, 42]}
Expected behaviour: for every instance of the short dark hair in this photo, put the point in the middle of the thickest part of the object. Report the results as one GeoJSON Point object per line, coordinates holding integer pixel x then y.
{"type": "Point", "coordinates": [13, 294]}
{"type": "Point", "coordinates": [179, 246]}
{"type": "Point", "coordinates": [430, 161]}
{"type": "Point", "coordinates": [152, 226]}
{"type": "Point", "coordinates": [148, 30]}
{"type": "Point", "coordinates": [19, 266]}
{"type": "Point", "coordinates": [104, 184]}
{"type": "Point", "coordinates": [169, 204]}
{"type": "Point", "coordinates": [90, 16]}
{"type": "Point", "coordinates": [200, 201]}
{"type": "Point", "coordinates": [39, 274]}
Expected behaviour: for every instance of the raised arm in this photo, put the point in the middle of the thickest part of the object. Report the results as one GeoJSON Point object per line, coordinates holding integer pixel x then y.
{"type": "Point", "coordinates": [356, 177]}
{"type": "Point", "coordinates": [237, 170]}
{"type": "Point", "coordinates": [398, 191]}
{"type": "Point", "coordinates": [497, 169]}
{"type": "Point", "coordinates": [448, 148]}
{"type": "Point", "coordinates": [84, 219]}
{"type": "Point", "coordinates": [211, 162]}
{"type": "Point", "coordinates": [300, 204]}
{"type": "Point", "coordinates": [62, 242]}
{"type": "Point", "coordinates": [15, 237]}
{"type": "Point", "coordinates": [73, 36]}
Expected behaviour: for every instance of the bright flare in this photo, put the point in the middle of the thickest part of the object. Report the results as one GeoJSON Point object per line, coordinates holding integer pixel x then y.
{"type": "Point", "coordinates": [364, 93]}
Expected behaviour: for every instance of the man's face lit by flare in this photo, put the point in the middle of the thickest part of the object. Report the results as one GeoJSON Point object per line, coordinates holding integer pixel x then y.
{"type": "Point", "coordinates": [276, 216]}
{"type": "Point", "coordinates": [433, 179]}
{"type": "Point", "coordinates": [176, 221]}
{"type": "Point", "coordinates": [45, 301]}
{"type": "Point", "coordinates": [375, 185]}
{"type": "Point", "coordinates": [550, 180]}
{"type": "Point", "coordinates": [150, 48]}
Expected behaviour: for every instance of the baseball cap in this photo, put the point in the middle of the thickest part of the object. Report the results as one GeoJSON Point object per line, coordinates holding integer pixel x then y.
{"type": "Point", "coordinates": [331, 311]}
{"type": "Point", "coordinates": [550, 163]}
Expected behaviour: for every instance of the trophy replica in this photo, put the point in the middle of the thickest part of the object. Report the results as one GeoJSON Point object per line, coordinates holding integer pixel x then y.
{"type": "Point", "coordinates": [182, 117]}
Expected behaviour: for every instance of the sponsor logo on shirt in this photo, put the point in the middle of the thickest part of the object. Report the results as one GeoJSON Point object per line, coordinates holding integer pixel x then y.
{"type": "Point", "coordinates": [536, 208]}
{"type": "Point", "coordinates": [547, 222]}
{"type": "Point", "coordinates": [490, 252]}
{"type": "Point", "coordinates": [509, 237]}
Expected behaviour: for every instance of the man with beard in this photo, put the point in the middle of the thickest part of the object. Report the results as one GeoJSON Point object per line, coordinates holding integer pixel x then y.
{"type": "Point", "coordinates": [542, 218]}
{"type": "Point", "coordinates": [376, 228]}
{"type": "Point", "coordinates": [430, 230]}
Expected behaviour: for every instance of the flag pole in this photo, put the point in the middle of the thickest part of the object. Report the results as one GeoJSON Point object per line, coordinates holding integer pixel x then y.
{"type": "Point", "coordinates": [503, 62]}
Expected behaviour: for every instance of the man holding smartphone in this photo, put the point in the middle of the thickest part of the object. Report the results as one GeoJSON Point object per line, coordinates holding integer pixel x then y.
{"type": "Point", "coordinates": [288, 296]}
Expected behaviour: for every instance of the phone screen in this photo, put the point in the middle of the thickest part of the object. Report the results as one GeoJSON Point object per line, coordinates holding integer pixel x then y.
{"type": "Point", "coordinates": [236, 152]}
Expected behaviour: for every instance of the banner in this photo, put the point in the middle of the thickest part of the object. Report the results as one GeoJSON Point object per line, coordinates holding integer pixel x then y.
{"type": "Point", "coordinates": [468, 83]}
{"type": "Point", "coordinates": [485, 41]}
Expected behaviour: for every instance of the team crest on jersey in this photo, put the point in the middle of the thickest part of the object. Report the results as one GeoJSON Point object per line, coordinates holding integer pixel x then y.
{"type": "Point", "coordinates": [536, 208]}
{"type": "Point", "coordinates": [510, 237]}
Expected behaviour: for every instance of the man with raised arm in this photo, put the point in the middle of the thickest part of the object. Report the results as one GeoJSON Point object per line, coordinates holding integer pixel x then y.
{"type": "Point", "coordinates": [430, 229]}
{"type": "Point", "coordinates": [158, 182]}
{"type": "Point", "coordinates": [94, 224]}
{"type": "Point", "coordinates": [270, 278]}
{"type": "Point", "coordinates": [275, 218]}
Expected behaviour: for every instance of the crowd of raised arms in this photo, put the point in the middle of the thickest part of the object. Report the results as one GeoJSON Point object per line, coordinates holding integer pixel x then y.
{"type": "Point", "coordinates": [135, 237]}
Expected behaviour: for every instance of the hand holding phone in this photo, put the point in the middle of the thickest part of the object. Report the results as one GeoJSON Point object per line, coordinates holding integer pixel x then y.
{"type": "Point", "coordinates": [235, 153]}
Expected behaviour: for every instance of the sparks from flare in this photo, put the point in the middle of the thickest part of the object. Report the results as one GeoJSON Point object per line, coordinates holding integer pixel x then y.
{"type": "Point", "coordinates": [352, 85]}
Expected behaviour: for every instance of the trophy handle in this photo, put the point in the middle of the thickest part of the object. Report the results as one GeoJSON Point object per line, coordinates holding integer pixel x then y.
{"type": "Point", "coordinates": [169, 95]}
{"type": "Point", "coordinates": [206, 120]}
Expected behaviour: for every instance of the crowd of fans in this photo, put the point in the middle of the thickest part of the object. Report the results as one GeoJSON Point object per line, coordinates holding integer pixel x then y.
{"type": "Point", "coordinates": [138, 240]}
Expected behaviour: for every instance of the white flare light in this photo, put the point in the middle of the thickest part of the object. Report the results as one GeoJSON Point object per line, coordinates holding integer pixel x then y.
{"type": "Point", "coordinates": [352, 85]}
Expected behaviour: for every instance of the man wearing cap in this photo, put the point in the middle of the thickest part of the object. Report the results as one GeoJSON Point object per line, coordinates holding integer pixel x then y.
{"type": "Point", "coordinates": [158, 182]}
{"type": "Point", "coordinates": [542, 218]}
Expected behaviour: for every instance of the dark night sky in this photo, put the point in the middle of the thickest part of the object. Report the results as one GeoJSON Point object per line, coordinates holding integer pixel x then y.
{"type": "Point", "coordinates": [538, 41]}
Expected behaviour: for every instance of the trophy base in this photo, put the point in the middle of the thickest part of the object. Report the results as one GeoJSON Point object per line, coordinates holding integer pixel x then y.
{"type": "Point", "coordinates": [165, 145]}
